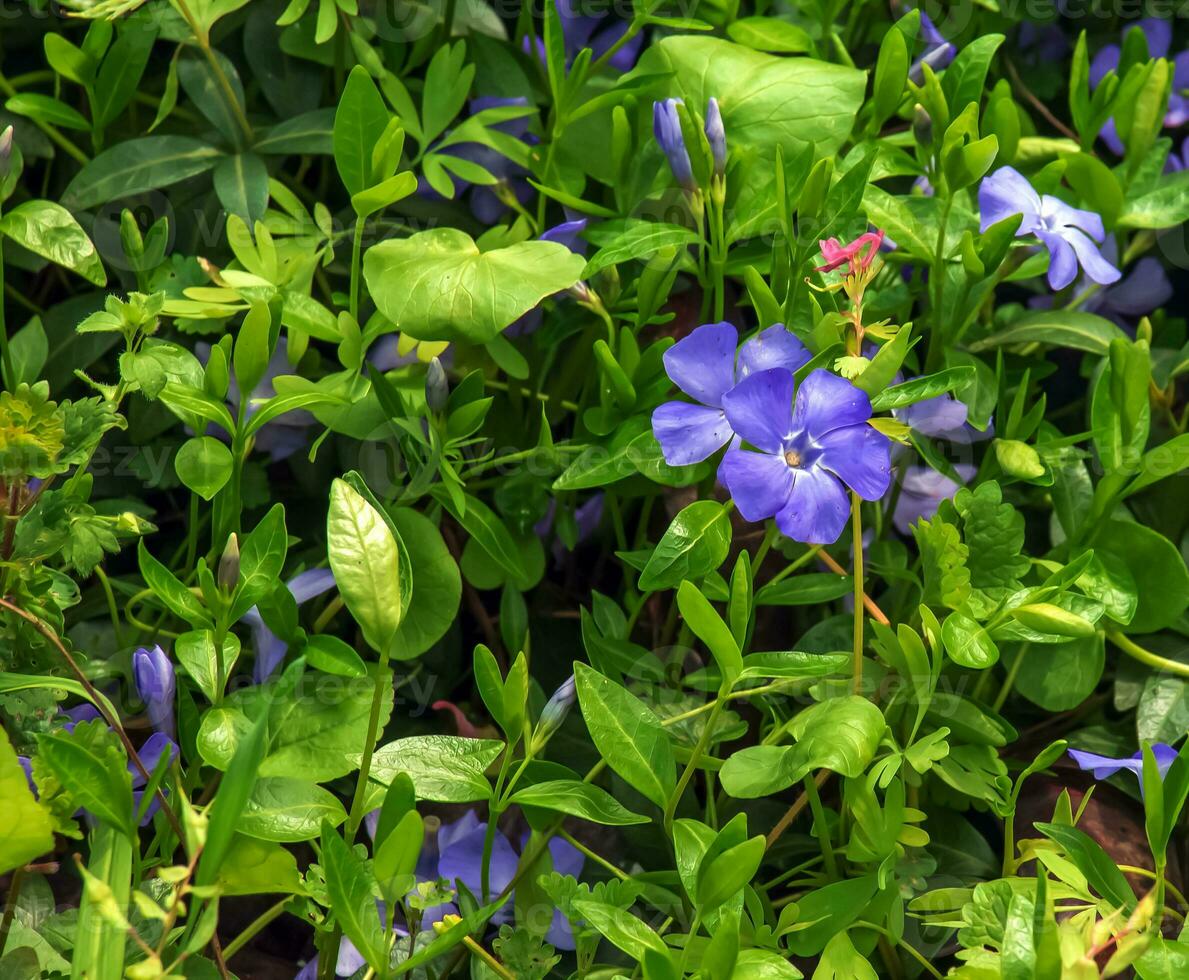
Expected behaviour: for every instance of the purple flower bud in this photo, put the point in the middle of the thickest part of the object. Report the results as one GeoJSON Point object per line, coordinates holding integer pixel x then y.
{"type": "Point", "coordinates": [153, 673]}
{"type": "Point", "coordinates": [5, 145]}
{"type": "Point", "coordinates": [437, 388]}
{"type": "Point", "coordinates": [229, 564]}
{"type": "Point", "coordinates": [666, 124]}
{"type": "Point", "coordinates": [554, 713]}
{"type": "Point", "coordinates": [27, 765]}
{"type": "Point", "coordinates": [716, 136]}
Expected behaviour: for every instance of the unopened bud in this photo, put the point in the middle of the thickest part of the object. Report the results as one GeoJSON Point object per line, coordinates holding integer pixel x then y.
{"type": "Point", "coordinates": [1044, 617]}
{"type": "Point", "coordinates": [554, 713]}
{"type": "Point", "coordinates": [229, 564]}
{"type": "Point", "coordinates": [437, 388]}
{"type": "Point", "coordinates": [922, 126]}
{"type": "Point", "coordinates": [716, 136]}
{"type": "Point", "coordinates": [6, 145]}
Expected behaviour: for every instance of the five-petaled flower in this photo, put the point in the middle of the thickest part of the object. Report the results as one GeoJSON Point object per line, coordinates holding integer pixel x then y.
{"type": "Point", "coordinates": [1103, 766]}
{"type": "Point", "coordinates": [808, 449]}
{"type": "Point", "coordinates": [1070, 234]}
{"type": "Point", "coordinates": [856, 255]}
{"type": "Point", "coordinates": [704, 365]}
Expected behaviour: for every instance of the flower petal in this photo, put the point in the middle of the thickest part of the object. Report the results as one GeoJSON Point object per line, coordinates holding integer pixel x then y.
{"type": "Point", "coordinates": [689, 433]}
{"type": "Point", "coordinates": [703, 364]}
{"type": "Point", "coordinates": [826, 402]}
{"type": "Point", "coordinates": [1103, 766]}
{"type": "Point", "coordinates": [1145, 287]}
{"type": "Point", "coordinates": [937, 418]}
{"type": "Point", "coordinates": [463, 860]}
{"type": "Point", "coordinates": [817, 509]}
{"type": "Point", "coordinates": [860, 457]}
{"type": "Point", "coordinates": [1063, 263]}
{"type": "Point", "coordinates": [1005, 193]}
{"type": "Point", "coordinates": [1095, 266]}
{"type": "Point", "coordinates": [1058, 216]}
{"type": "Point", "coordinates": [311, 583]}
{"type": "Point", "coordinates": [772, 348]}
{"type": "Point", "coordinates": [759, 483]}
{"type": "Point", "coordinates": [759, 408]}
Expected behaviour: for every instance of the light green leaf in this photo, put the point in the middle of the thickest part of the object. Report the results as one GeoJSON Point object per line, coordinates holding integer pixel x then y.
{"type": "Point", "coordinates": [578, 799]}
{"type": "Point", "coordinates": [49, 230]}
{"type": "Point", "coordinates": [25, 828]}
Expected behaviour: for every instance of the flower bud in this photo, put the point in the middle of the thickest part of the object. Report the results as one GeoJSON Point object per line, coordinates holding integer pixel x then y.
{"type": "Point", "coordinates": [229, 564]}
{"type": "Point", "coordinates": [554, 713]}
{"type": "Point", "coordinates": [6, 145]}
{"type": "Point", "coordinates": [153, 674]}
{"type": "Point", "coordinates": [666, 125]}
{"type": "Point", "coordinates": [716, 136]}
{"type": "Point", "coordinates": [922, 126]}
{"type": "Point", "coordinates": [1044, 617]}
{"type": "Point", "coordinates": [437, 388]}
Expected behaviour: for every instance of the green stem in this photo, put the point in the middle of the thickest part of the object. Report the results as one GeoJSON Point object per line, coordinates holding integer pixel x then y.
{"type": "Point", "coordinates": [821, 828]}
{"type": "Point", "coordinates": [1134, 650]}
{"type": "Point", "coordinates": [10, 378]}
{"type": "Point", "coordinates": [857, 523]}
{"type": "Point", "coordinates": [597, 858]}
{"type": "Point", "coordinates": [204, 42]}
{"type": "Point", "coordinates": [1010, 680]}
{"type": "Point", "coordinates": [937, 337]}
{"type": "Point", "coordinates": [10, 904]}
{"type": "Point", "coordinates": [383, 677]}
{"type": "Point", "coordinates": [692, 765]}
{"type": "Point", "coordinates": [254, 927]}
{"type": "Point", "coordinates": [356, 253]}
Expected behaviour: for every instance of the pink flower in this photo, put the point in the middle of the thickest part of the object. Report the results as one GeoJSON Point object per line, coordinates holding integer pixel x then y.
{"type": "Point", "coordinates": [836, 254]}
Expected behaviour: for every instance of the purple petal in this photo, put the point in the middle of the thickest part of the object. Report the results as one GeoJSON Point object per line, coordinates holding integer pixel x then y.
{"type": "Point", "coordinates": [1106, 60]}
{"type": "Point", "coordinates": [1110, 136]}
{"type": "Point", "coordinates": [922, 489]}
{"type": "Point", "coordinates": [860, 457]}
{"type": "Point", "coordinates": [1063, 263]}
{"type": "Point", "coordinates": [703, 364]}
{"type": "Point", "coordinates": [759, 483]}
{"type": "Point", "coordinates": [310, 584]}
{"type": "Point", "coordinates": [775, 347]}
{"type": "Point", "coordinates": [567, 859]}
{"type": "Point", "coordinates": [463, 860]}
{"type": "Point", "coordinates": [1004, 193]}
{"type": "Point", "coordinates": [817, 510]}
{"type": "Point", "coordinates": [350, 960]}
{"type": "Point", "coordinates": [1059, 216]}
{"type": "Point", "coordinates": [1102, 766]}
{"type": "Point", "coordinates": [689, 433]}
{"type": "Point", "coordinates": [1095, 266]}
{"type": "Point", "coordinates": [937, 418]}
{"type": "Point", "coordinates": [1165, 756]}
{"type": "Point", "coordinates": [448, 833]}
{"type": "Point", "coordinates": [759, 408]}
{"type": "Point", "coordinates": [826, 402]}
{"type": "Point", "coordinates": [567, 234]}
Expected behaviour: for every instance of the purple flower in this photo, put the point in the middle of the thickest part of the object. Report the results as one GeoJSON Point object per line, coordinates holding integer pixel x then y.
{"type": "Point", "coordinates": [716, 136]}
{"type": "Point", "coordinates": [599, 33]}
{"type": "Point", "coordinates": [1102, 766]}
{"type": "Point", "coordinates": [567, 234]}
{"type": "Point", "coordinates": [486, 205]}
{"type": "Point", "coordinates": [922, 489]}
{"type": "Point", "coordinates": [705, 366]}
{"type": "Point", "coordinates": [150, 754]}
{"type": "Point", "coordinates": [270, 648]}
{"type": "Point", "coordinates": [1159, 37]}
{"type": "Point", "coordinates": [808, 450]}
{"type": "Point", "coordinates": [938, 51]}
{"type": "Point", "coordinates": [1143, 288]}
{"type": "Point", "coordinates": [1068, 233]}
{"type": "Point", "coordinates": [460, 858]}
{"type": "Point", "coordinates": [666, 125]}
{"type": "Point", "coordinates": [156, 685]}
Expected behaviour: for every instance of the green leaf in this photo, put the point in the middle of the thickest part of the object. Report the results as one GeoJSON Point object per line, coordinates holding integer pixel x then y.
{"type": "Point", "coordinates": [1156, 566]}
{"type": "Point", "coordinates": [1056, 328]}
{"type": "Point", "coordinates": [701, 617]}
{"type": "Point", "coordinates": [437, 285]}
{"type": "Point", "coordinates": [967, 643]}
{"type": "Point", "coordinates": [753, 91]}
{"type": "Point", "coordinates": [696, 542]}
{"type": "Point", "coordinates": [621, 928]}
{"type": "Point", "coordinates": [578, 799]}
{"type": "Point", "coordinates": [437, 586]}
{"type": "Point", "coordinates": [139, 165]}
{"type": "Point", "coordinates": [217, 95]}
{"type": "Point", "coordinates": [195, 651]}
{"type": "Point", "coordinates": [241, 184]}
{"type": "Point", "coordinates": [49, 230]}
{"type": "Point", "coordinates": [359, 121]}
{"type": "Point", "coordinates": [636, 239]}
{"type": "Point", "coordinates": [1100, 869]}
{"type": "Point", "coordinates": [366, 564]}
{"type": "Point", "coordinates": [808, 589]}
{"type": "Point", "coordinates": [255, 867]}
{"type": "Point", "coordinates": [770, 34]}
{"type": "Point", "coordinates": [204, 465]}
{"type": "Point", "coordinates": [444, 768]}
{"type": "Point", "coordinates": [628, 735]}
{"type": "Point", "coordinates": [25, 828]}
{"type": "Point", "coordinates": [261, 559]}
{"type": "Point", "coordinates": [331, 655]}
{"type": "Point", "coordinates": [289, 810]}
{"type": "Point", "coordinates": [349, 887]}
{"type": "Point", "coordinates": [726, 873]}
{"type": "Point", "coordinates": [90, 763]}
{"type": "Point", "coordinates": [45, 108]}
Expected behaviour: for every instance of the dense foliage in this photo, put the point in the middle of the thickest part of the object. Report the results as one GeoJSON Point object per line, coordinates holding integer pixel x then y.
{"type": "Point", "coordinates": [657, 490]}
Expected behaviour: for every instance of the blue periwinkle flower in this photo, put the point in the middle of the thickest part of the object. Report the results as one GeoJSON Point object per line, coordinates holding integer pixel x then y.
{"type": "Point", "coordinates": [1102, 766]}
{"type": "Point", "coordinates": [705, 366]}
{"type": "Point", "coordinates": [716, 136]}
{"type": "Point", "coordinates": [809, 451]}
{"type": "Point", "coordinates": [1070, 234]}
{"type": "Point", "coordinates": [666, 124]}
{"type": "Point", "coordinates": [153, 673]}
